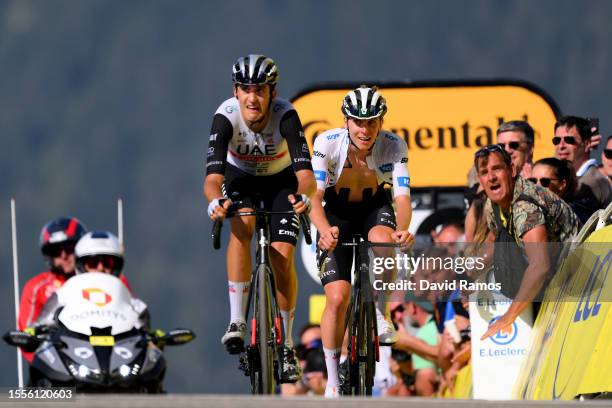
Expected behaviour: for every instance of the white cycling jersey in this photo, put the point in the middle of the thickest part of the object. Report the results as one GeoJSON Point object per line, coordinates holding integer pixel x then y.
{"type": "Point", "coordinates": [389, 158]}
{"type": "Point", "coordinates": [266, 153]}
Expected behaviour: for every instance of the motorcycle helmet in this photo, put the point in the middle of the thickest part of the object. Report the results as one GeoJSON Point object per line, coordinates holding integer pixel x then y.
{"type": "Point", "coordinates": [96, 247]}
{"type": "Point", "coordinates": [60, 231]}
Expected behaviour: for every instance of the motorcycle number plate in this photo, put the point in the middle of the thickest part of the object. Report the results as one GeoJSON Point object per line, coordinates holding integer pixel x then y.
{"type": "Point", "coordinates": [102, 340]}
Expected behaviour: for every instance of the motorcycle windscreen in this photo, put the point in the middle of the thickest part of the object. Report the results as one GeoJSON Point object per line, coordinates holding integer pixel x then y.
{"type": "Point", "coordinates": [98, 300]}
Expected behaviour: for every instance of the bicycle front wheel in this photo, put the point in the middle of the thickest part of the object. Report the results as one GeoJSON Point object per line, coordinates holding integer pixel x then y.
{"type": "Point", "coordinates": [264, 330]}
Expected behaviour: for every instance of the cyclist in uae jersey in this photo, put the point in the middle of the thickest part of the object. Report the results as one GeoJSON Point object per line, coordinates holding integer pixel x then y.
{"type": "Point", "coordinates": [351, 165]}
{"type": "Point", "coordinates": [257, 151]}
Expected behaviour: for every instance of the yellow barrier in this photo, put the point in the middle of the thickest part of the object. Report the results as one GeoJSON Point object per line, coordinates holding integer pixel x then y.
{"type": "Point", "coordinates": [571, 348]}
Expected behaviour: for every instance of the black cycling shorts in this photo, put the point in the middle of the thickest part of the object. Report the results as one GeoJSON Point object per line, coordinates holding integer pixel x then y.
{"type": "Point", "coordinates": [273, 190]}
{"type": "Point", "coordinates": [353, 218]}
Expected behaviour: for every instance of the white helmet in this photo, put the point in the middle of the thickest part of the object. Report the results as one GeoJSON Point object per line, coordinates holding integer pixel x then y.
{"type": "Point", "coordinates": [95, 244]}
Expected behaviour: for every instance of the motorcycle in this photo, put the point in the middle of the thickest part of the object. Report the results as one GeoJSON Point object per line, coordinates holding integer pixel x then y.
{"type": "Point", "coordinates": [97, 341]}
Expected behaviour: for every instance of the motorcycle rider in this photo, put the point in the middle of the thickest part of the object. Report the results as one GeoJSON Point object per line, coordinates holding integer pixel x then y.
{"type": "Point", "coordinates": [97, 251]}
{"type": "Point", "coordinates": [57, 240]}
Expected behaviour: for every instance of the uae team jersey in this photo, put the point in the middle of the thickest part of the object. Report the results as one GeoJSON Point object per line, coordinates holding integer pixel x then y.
{"type": "Point", "coordinates": [280, 144]}
{"type": "Point", "coordinates": [389, 158]}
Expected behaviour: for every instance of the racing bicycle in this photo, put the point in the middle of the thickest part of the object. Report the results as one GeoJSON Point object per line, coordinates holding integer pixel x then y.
{"type": "Point", "coordinates": [363, 345]}
{"type": "Point", "coordinates": [261, 359]}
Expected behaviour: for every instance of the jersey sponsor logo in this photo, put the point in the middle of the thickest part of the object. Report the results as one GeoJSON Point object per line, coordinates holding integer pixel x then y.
{"type": "Point", "coordinates": [403, 160]}
{"type": "Point", "coordinates": [320, 175]}
{"type": "Point", "coordinates": [231, 109]}
{"type": "Point", "coordinates": [390, 137]}
{"type": "Point", "coordinates": [287, 232]}
{"type": "Point", "coordinates": [334, 136]}
{"type": "Point", "coordinates": [257, 159]}
{"type": "Point", "coordinates": [276, 108]}
{"type": "Point", "coordinates": [387, 167]}
{"type": "Point", "coordinates": [213, 137]}
{"type": "Point", "coordinates": [301, 159]}
{"type": "Point", "coordinates": [214, 163]}
{"type": "Point", "coordinates": [245, 149]}
{"type": "Point", "coordinates": [301, 134]}
{"type": "Point", "coordinates": [283, 221]}
{"type": "Point", "coordinates": [403, 181]}
{"type": "Point", "coordinates": [316, 153]}
{"type": "Point", "coordinates": [211, 151]}
{"type": "Point", "coordinates": [305, 148]}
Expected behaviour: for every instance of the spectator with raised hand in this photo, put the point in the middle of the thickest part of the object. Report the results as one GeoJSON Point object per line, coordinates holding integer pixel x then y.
{"type": "Point", "coordinates": [523, 217]}
{"type": "Point", "coordinates": [572, 142]}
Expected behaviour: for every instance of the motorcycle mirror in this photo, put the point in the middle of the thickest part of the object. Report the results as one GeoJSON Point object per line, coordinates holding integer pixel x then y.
{"type": "Point", "coordinates": [177, 337]}
{"type": "Point", "coordinates": [21, 339]}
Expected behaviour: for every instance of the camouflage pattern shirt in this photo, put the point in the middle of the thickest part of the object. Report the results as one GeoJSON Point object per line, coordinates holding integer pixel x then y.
{"type": "Point", "coordinates": [559, 219]}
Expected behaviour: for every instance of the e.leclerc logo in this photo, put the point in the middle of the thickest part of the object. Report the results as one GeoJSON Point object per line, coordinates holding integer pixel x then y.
{"type": "Point", "coordinates": [503, 339]}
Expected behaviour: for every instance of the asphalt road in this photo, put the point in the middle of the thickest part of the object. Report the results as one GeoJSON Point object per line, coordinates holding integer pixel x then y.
{"type": "Point", "coordinates": [228, 401]}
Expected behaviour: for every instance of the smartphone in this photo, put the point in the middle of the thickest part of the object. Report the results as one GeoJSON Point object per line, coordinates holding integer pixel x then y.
{"type": "Point", "coordinates": [593, 123]}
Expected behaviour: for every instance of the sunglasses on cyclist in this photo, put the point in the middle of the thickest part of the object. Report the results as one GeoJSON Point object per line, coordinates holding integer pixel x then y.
{"type": "Point", "coordinates": [608, 153]}
{"type": "Point", "coordinates": [543, 181]}
{"type": "Point", "coordinates": [571, 140]}
{"type": "Point", "coordinates": [92, 262]}
{"type": "Point", "coordinates": [56, 250]}
{"type": "Point", "coordinates": [511, 145]}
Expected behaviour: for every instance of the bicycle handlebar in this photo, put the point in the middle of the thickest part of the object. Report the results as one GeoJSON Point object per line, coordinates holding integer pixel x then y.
{"type": "Point", "coordinates": [233, 212]}
{"type": "Point", "coordinates": [323, 254]}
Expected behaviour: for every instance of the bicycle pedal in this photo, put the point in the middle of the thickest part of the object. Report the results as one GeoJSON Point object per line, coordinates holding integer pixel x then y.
{"type": "Point", "coordinates": [243, 364]}
{"type": "Point", "coordinates": [234, 346]}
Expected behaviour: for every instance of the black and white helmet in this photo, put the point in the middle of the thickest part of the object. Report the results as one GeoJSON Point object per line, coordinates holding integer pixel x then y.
{"type": "Point", "coordinates": [255, 70]}
{"type": "Point", "coordinates": [364, 103]}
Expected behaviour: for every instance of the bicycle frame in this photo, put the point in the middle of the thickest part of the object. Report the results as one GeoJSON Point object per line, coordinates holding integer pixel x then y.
{"type": "Point", "coordinates": [361, 322]}
{"type": "Point", "coordinates": [260, 361]}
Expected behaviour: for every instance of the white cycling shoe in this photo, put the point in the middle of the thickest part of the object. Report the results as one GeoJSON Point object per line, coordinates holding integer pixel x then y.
{"type": "Point", "coordinates": [233, 339]}
{"type": "Point", "coordinates": [387, 335]}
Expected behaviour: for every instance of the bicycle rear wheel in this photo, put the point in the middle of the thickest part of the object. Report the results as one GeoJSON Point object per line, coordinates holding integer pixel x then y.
{"type": "Point", "coordinates": [362, 347]}
{"type": "Point", "coordinates": [264, 330]}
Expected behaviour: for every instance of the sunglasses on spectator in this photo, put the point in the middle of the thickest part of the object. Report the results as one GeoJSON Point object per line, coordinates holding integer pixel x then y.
{"type": "Point", "coordinates": [92, 262]}
{"type": "Point", "coordinates": [567, 139]}
{"type": "Point", "coordinates": [543, 181]}
{"type": "Point", "coordinates": [56, 250]}
{"type": "Point", "coordinates": [512, 145]}
{"type": "Point", "coordinates": [608, 153]}
{"type": "Point", "coordinates": [490, 149]}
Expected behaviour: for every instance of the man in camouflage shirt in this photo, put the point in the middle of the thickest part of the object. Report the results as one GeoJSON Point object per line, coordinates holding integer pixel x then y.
{"type": "Point", "coordinates": [526, 215]}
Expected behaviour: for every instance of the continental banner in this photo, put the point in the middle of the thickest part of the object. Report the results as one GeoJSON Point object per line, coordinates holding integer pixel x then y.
{"type": "Point", "coordinates": [571, 352]}
{"type": "Point", "coordinates": [442, 123]}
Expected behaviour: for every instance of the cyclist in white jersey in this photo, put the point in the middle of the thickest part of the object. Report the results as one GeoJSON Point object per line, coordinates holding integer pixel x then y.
{"type": "Point", "coordinates": [351, 166]}
{"type": "Point", "coordinates": [257, 151]}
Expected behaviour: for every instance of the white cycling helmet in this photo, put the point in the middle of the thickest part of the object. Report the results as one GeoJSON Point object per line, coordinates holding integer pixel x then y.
{"type": "Point", "coordinates": [99, 245]}
{"type": "Point", "coordinates": [364, 103]}
{"type": "Point", "coordinates": [255, 70]}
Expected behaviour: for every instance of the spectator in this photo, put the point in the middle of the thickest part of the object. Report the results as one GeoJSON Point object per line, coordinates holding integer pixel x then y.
{"type": "Point", "coordinates": [517, 137]}
{"type": "Point", "coordinates": [312, 361]}
{"type": "Point", "coordinates": [424, 346]}
{"type": "Point", "coordinates": [559, 177]}
{"type": "Point", "coordinates": [401, 368]}
{"type": "Point", "coordinates": [520, 214]}
{"type": "Point", "coordinates": [572, 142]}
{"type": "Point", "coordinates": [606, 160]}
